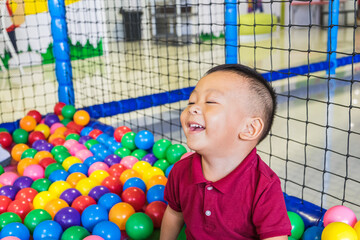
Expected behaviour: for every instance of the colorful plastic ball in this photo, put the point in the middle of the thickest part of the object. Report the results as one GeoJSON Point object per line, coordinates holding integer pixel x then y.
{"type": "Point", "coordinates": [107, 230]}
{"type": "Point", "coordinates": [81, 117]}
{"type": "Point", "coordinates": [82, 202]}
{"type": "Point", "coordinates": [112, 159]}
{"type": "Point", "coordinates": [20, 136]}
{"type": "Point", "coordinates": [113, 184]}
{"type": "Point", "coordinates": [313, 233]}
{"type": "Point", "coordinates": [73, 136]}
{"type": "Point", "coordinates": [128, 141]}
{"type": "Point", "coordinates": [9, 191]}
{"type": "Point", "coordinates": [135, 182]}
{"type": "Point", "coordinates": [36, 145]}
{"type": "Point", "coordinates": [163, 164]}
{"type": "Point", "coordinates": [127, 174]}
{"type": "Point", "coordinates": [108, 200]}
{"type": "Point", "coordinates": [18, 150]}
{"type": "Point", "coordinates": [70, 161]}
{"type": "Point", "coordinates": [116, 170]}
{"type": "Point", "coordinates": [120, 213]}
{"type": "Point", "coordinates": [34, 172]}
{"type": "Point", "coordinates": [83, 154]}
{"type": "Point", "coordinates": [79, 167]}
{"type": "Point", "coordinates": [15, 229]}
{"type": "Point", "coordinates": [139, 153]}
{"type": "Point", "coordinates": [95, 133]}
{"type": "Point", "coordinates": [42, 198]}
{"type": "Point", "coordinates": [168, 170]}
{"type": "Point", "coordinates": [55, 206]}
{"type": "Point", "coordinates": [58, 107]}
{"type": "Point", "coordinates": [84, 139]}
{"type": "Point", "coordinates": [46, 147]}
{"type": "Point", "coordinates": [156, 193]}
{"type": "Point", "coordinates": [42, 154]}
{"type": "Point", "coordinates": [99, 175]}
{"type": "Point", "coordinates": [160, 147]}
{"type": "Point", "coordinates": [10, 238]}
{"type": "Point", "coordinates": [60, 131]}
{"type": "Point", "coordinates": [103, 138]}
{"type": "Point", "coordinates": [75, 233]}
{"type": "Point", "coordinates": [114, 146]}
{"type": "Point", "coordinates": [297, 225]}
{"type": "Point", "coordinates": [156, 180]}
{"type": "Point", "coordinates": [150, 158]}
{"type": "Point", "coordinates": [48, 230]}
{"type": "Point", "coordinates": [129, 161]}
{"type": "Point", "coordinates": [174, 153]}
{"type": "Point", "coordinates": [74, 178]}
{"type": "Point", "coordinates": [85, 131]}
{"type": "Point", "coordinates": [44, 129]}
{"type": "Point", "coordinates": [46, 162]}
{"type": "Point", "coordinates": [90, 143]}
{"type": "Point", "coordinates": [90, 160]}
{"type": "Point", "coordinates": [68, 111]}
{"type": "Point", "coordinates": [53, 167]}
{"type": "Point", "coordinates": [58, 149]}
{"type": "Point", "coordinates": [58, 187]}
{"type": "Point", "coordinates": [340, 214]}
{"type": "Point", "coordinates": [4, 203]}
{"type": "Point", "coordinates": [41, 185]}
{"type": "Point", "coordinates": [57, 141]}
{"type": "Point", "coordinates": [3, 129]}
{"type": "Point", "coordinates": [97, 166]}
{"type": "Point", "coordinates": [65, 121]}
{"type": "Point", "coordinates": [20, 207]}
{"type": "Point", "coordinates": [93, 237]}
{"type": "Point", "coordinates": [29, 153]}
{"type": "Point", "coordinates": [69, 143]}
{"type": "Point", "coordinates": [28, 123]}
{"type": "Point", "coordinates": [97, 192]}
{"type": "Point", "coordinates": [58, 175]}
{"type": "Point", "coordinates": [23, 182]}
{"type": "Point", "coordinates": [55, 126]}
{"type": "Point", "coordinates": [92, 215]}
{"type": "Point", "coordinates": [69, 195]}
{"type": "Point", "coordinates": [5, 139]}
{"type": "Point", "coordinates": [135, 197]}
{"type": "Point", "coordinates": [155, 211]}
{"type": "Point", "coordinates": [1, 170]}
{"type": "Point", "coordinates": [77, 148]}
{"type": "Point", "coordinates": [8, 217]}
{"type": "Point", "coordinates": [139, 226]}
{"type": "Point", "coordinates": [23, 164]}
{"type": "Point", "coordinates": [26, 194]}
{"type": "Point", "coordinates": [35, 217]}
{"type": "Point", "coordinates": [150, 172]}
{"type": "Point", "coordinates": [35, 114]}
{"type": "Point", "coordinates": [8, 178]}
{"type": "Point", "coordinates": [50, 119]}
{"type": "Point", "coordinates": [122, 152]}
{"type": "Point", "coordinates": [85, 185]}
{"type": "Point", "coordinates": [68, 217]}
{"type": "Point", "coordinates": [60, 157]}
{"type": "Point", "coordinates": [141, 166]}
{"type": "Point", "coordinates": [339, 231]}
{"type": "Point", "coordinates": [144, 140]}
{"type": "Point", "coordinates": [120, 132]}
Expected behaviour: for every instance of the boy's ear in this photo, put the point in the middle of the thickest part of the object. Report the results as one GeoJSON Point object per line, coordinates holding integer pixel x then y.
{"type": "Point", "coordinates": [252, 130]}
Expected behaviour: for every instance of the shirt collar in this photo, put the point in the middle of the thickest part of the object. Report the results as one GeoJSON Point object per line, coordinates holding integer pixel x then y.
{"type": "Point", "coordinates": [225, 184]}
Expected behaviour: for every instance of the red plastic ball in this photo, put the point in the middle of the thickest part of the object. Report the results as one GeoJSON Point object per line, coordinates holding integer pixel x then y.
{"type": "Point", "coordinates": [58, 141]}
{"type": "Point", "coordinates": [26, 194]}
{"type": "Point", "coordinates": [20, 207]}
{"type": "Point", "coordinates": [5, 139]}
{"type": "Point", "coordinates": [95, 133]}
{"type": "Point", "coordinates": [34, 136]}
{"type": "Point", "coordinates": [46, 162]}
{"type": "Point", "coordinates": [135, 197]}
{"type": "Point", "coordinates": [70, 131]}
{"type": "Point", "coordinates": [72, 125]}
{"type": "Point", "coordinates": [4, 203]}
{"type": "Point", "coordinates": [155, 211]}
{"type": "Point", "coordinates": [58, 107]}
{"type": "Point", "coordinates": [82, 202]}
{"type": "Point", "coordinates": [35, 114]}
{"type": "Point", "coordinates": [113, 184]}
{"type": "Point", "coordinates": [116, 170]}
{"type": "Point", "coordinates": [120, 132]}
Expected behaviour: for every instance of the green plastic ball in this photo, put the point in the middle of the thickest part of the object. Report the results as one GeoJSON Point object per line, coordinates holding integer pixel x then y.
{"type": "Point", "coordinates": [162, 164]}
{"type": "Point", "coordinates": [8, 217]}
{"type": "Point", "coordinates": [29, 153]}
{"type": "Point", "coordinates": [75, 233]}
{"type": "Point", "coordinates": [53, 167]}
{"type": "Point", "coordinates": [174, 153]}
{"type": "Point", "coordinates": [58, 149]}
{"type": "Point", "coordinates": [61, 156]}
{"type": "Point", "coordinates": [41, 184]}
{"type": "Point", "coordinates": [20, 136]}
{"type": "Point", "coordinates": [35, 217]}
{"type": "Point", "coordinates": [122, 152]}
{"type": "Point", "coordinates": [139, 226]}
{"type": "Point", "coordinates": [139, 153]}
{"type": "Point", "coordinates": [89, 143]}
{"type": "Point", "coordinates": [68, 111]}
{"type": "Point", "coordinates": [160, 147]}
{"type": "Point", "coordinates": [297, 225]}
{"type": "Point", "coordinates": [3, 130]}
{"type": "Point", "coordinates": [65, 121]}
{"type": "Point", "coordinates": [73, 136]}
{"type": "Point", "coordinates": [1, 170]}
{"type": "Point", "coordinates": [128, 141]}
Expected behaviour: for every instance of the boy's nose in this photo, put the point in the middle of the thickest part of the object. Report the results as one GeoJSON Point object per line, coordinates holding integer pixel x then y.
{"type": "Point", "coordinates": [195, 109]}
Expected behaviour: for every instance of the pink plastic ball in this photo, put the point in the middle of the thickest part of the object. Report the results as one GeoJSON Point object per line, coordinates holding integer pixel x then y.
{"type": "Point", "coordinates": [42, 121]}
{"type": "Point", "coordinates": [34, 172]}
{"type": "Point", "coordinates": [340, 214]}
{"type": "Point", "coordinates": [55, 126]}
{"type": "Point", "coordinates": [98, 166]}
{"type": "Point", "coordinates": [8, 178]}
{"type": "Point", "coordinates": [69, 143]}
{"type": "Point", "coordinates": [186, 155]}
{"type": "Point", "coordinates": [93, 237]}
{"type": "Point", "coordinates": [129, 161]}
{"type": "Point", "coordinates": [76, 148]}
{"type": "Point", "coordinates": [83, 154]}
{"type": "Point", "coordinates": [10, 238]}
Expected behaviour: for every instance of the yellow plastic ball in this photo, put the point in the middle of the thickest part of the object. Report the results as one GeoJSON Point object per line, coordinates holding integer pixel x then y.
{"type": "Point", "coordinates": [339, 231]}
{"type": "Point", "coordinates": [58, 187]}
{"type": "Point", "coordinates": [61, 117]}
{"type": "Point", "coordinates": [85, 185]}
{"type": "Point", "coordinates": [44, 129]}
{"type": "Point", "coordinates": [68, 162]}
{"type": "Point", "coordinates": [99, 175]}
{"type": "Point", "coordinates": [42, 198]}
{"type": "Point", "coordinates": [357, 228]}
{"type": "Point", "coordinates": [150, 172]}
{"type": "Point", "coordinates": [141, 166]}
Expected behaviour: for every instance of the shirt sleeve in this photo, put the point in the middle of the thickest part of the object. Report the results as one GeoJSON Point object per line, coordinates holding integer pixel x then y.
{"type": "Point", "coordinates": [171, 194]}
{"type": "Point", "coordinates": [270, 216]}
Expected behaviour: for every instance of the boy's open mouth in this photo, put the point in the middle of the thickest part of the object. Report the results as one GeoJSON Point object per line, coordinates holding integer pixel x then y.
{"type": "Point", "coordinates": [196, 127]}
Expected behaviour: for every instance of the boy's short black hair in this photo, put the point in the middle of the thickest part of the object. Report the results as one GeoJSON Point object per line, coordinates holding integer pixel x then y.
{"type": "Point", "coordinates": [257, 85]}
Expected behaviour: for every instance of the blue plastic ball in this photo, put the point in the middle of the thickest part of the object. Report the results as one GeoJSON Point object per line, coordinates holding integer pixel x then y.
{"type": "Point", "coordinates": [144, 140]}
{"type": "Point", "coordinates": [156, 193]}
{"type": "Point", "coordinates": [15, 229]}
{"type": "Point", "coordinates": [135, 182]}
{"type": "Point", "coordinates": [92, 215]}
{"type": "Point", "coordinates": [79, 167]}
{"type": "Point", "coordinates": [90, 160]}
{"type": "Point", "coordinates": [107, 230]}
{"type": "Point", "coordinates": [102, 153]}
{"type": "Point", "coordinates": [96, 148]}
{"type": "Point", "coordinates": [167, 172]}
{"type": "Point", "coordinates": [114, 146]}
{"type": "Point", "coordinates": [58, 175]}
{"type": "Point", "coordinates": [108, 200]}
{"type": "Point", "coordinates": [48, 229]}
{"type": "Point", "coordinates": [103, 138]}
{"type": "Point", "coordinates": [85, 131]}
{"type": "Point", "coordinates": [313, 233]}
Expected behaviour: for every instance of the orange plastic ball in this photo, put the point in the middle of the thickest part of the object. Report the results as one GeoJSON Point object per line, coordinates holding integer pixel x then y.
{"type": "Point", "coordinates": [28, 123]}
{"type": "Point", "coordinates": [128, 173]}
{"type": "Point", "coordinates": [54, 206]}
{"type": "Point", "coordinates": [156, 180]}
{"type": "Point", "coordinates": [120, 213]}
{"type": "Point", "coordinates": [81, 117]}
{"type": "Point", "coordinates": [24, 163]}
{"type": "Point", "coordinates": [60, 131]}
{"type": "Point", "coordinates": [74, 178]}
{"type": "Point", "coordinates": [54, 136]}
{"type": "Point", "coordinates": [43, 154]}
{"type": "Point", "coordinates": [18, 150]}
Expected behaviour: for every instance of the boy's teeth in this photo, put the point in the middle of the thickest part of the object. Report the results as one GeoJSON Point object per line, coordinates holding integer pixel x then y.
{"type": "Point", "coordinates": [196, 126]}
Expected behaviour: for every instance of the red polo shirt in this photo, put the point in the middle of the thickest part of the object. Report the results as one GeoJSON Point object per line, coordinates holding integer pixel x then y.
{"type": "Point", "coordinates": [246, 204]}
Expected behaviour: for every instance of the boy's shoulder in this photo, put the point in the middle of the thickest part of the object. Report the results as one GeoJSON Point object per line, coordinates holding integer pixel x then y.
{"type": "Point", "coordinates": [266, 172]}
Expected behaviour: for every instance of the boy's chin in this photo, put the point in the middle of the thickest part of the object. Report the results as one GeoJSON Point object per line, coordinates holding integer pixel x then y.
{"type": "Point", "coordinates": [195, 146]}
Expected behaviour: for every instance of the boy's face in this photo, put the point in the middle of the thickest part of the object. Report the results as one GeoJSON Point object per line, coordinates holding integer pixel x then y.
{"type": "Point", "coordinates": [218, 111]}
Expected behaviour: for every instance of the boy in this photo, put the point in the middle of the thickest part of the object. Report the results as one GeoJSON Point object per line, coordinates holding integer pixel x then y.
{"type": "Point", "coordinates": [224, 190]}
